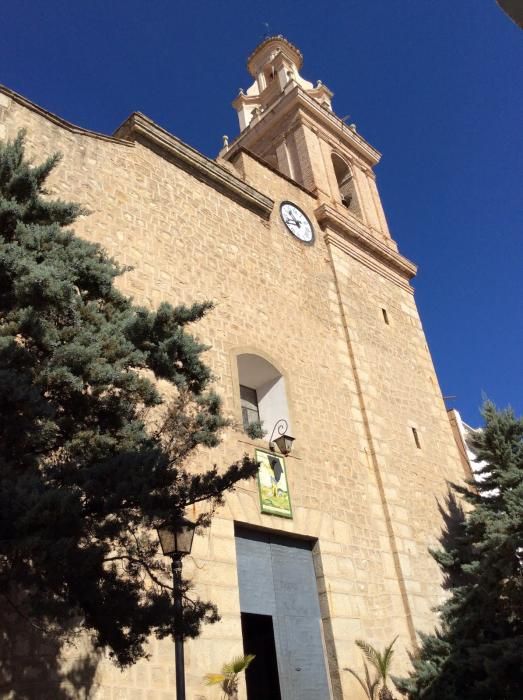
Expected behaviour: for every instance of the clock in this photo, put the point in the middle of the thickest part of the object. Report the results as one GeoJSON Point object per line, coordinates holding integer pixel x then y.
{"type": "Point", "coordinates": [297, 222]}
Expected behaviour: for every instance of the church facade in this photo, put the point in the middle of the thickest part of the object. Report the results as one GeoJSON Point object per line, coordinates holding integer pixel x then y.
{"type": "Point", "coordinates": [316, 336]}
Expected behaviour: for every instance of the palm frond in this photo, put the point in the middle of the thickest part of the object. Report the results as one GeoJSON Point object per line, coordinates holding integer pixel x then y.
{"type": "Point", "coordinates": [380, 660]}
{"type": "Point", "coordinates": [372, 684]}
{"type": "Point", "coordinates": [238, 664]}
{"type": "Point", "coordinates": [214, 678]}
{"type": "Point", "coordinates": [371, 654]}
{"type": "Point", "coordinates": [358, 678]}
{"type": "Point", "coordinates": [387, 657]}
{"type": "Point", "coordinates": [228, 678]}
{"type": "Point", "coordinates": [360, 681]}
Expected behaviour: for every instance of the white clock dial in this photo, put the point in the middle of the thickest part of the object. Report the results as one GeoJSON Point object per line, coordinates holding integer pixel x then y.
{"type": "Point", "coordinates": [297, 222]}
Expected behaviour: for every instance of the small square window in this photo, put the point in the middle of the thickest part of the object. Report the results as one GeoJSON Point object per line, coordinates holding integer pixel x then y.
{"type": "Point", "coordinates": [249, 404]}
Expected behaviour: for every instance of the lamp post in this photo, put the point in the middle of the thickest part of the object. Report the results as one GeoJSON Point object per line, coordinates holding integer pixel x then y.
{"type": "Point", "coordinates": [176, 542]}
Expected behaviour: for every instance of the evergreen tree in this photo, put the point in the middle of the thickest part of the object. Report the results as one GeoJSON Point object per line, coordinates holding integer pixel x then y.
{"type": "Point", "coordinates": [91, 455]}
{"type": "Point", "coordinates": [477, 654]}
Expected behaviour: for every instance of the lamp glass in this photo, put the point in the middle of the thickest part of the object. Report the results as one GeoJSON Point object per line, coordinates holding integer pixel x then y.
{"type": "Point", "coordinates": [177, 540]}
{"type": "Point", "coordinates": [284, 443]}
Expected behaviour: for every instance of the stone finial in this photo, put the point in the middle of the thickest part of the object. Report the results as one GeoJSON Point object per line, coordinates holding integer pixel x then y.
{"type": "Point", "coordinates": [225, 139]}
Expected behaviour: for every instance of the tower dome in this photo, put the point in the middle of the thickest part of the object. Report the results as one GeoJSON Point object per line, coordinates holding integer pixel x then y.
{"type": "Point", "coordinates": [275, 65]}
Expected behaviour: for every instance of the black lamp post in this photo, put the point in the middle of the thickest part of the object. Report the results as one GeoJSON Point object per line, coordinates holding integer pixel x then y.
{"type": "Point", "coordinates": [176, 542]}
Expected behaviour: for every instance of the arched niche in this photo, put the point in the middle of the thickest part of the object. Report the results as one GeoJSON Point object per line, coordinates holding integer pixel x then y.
{"type": "Point", "coordinates": [263, 395]}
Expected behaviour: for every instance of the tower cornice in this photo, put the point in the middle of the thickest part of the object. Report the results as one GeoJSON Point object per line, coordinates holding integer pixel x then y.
{"type": "Point", "coordinates": [351, 236]}
{"type": "Point", "coordinates": [309, 111]}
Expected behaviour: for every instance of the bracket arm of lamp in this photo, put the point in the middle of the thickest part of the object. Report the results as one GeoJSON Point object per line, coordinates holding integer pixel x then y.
{"type": "Point", "coordinates": [283, 441]}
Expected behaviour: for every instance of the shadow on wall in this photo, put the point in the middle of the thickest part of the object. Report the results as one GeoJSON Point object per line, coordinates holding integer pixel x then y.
{"type": "Point", "coordinates": [32, 665]}
{"type": "Point", "coordinates": [328, 631]}
{"type": "Point", "coordinates": [452, 540]}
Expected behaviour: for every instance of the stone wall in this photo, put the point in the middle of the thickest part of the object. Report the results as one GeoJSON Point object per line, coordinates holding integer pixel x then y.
{"type": "Point", "coordinates": [356, 388]}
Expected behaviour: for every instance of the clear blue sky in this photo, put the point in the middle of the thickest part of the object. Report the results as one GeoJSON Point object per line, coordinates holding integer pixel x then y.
{"type": "Point", "coordinates": [435, 86]}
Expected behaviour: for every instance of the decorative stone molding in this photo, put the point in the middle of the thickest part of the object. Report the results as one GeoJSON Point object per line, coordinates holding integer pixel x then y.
{"type": "Point", "coordinates": [353, 237]}
{"type": "Point", "coordinates": [7, 93]}
{"type": "Point", "coordinates": [312, 114]}
{"type": "Point", "coordinates": [332, 123]}
{"type": "Point", "coordinates": [140, 128]}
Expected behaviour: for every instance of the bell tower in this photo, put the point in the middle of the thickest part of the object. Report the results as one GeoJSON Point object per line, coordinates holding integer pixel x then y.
{"type": "Point", "coordinates": [289, 122]}
{"type": "Point", "coordinates": [388, 385]}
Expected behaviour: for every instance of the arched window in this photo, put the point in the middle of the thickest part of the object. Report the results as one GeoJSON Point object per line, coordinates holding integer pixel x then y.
{"type": "Point", "coordinates": [346, 186]}
{"type": "Point", "coordinates": [262, 392]}
{"type": "Point", "coordinates": [270, 74]}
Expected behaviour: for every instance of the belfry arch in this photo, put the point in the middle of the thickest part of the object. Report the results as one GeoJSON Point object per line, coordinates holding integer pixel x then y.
{"type": "Point", "coordinates": [346, 185]}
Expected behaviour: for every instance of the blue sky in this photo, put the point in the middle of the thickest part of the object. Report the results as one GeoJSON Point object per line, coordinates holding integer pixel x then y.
{"type": "Point", "coordinates": [435, 86]}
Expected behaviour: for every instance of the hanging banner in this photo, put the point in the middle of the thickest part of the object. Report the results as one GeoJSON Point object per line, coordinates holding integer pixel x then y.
{"type": "Point", "coordinates": [272, 484]}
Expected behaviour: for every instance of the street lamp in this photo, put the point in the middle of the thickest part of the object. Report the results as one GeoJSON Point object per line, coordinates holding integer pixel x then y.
{"type": "Point", "coordinates": [176, 542]}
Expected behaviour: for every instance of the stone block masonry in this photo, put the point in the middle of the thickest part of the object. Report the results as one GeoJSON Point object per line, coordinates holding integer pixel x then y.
{"type": "Point", "coordinates": [194, 229]}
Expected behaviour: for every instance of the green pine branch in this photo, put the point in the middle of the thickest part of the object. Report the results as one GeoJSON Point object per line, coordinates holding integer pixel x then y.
{"type": "Point", "coordinates": [87, 467]}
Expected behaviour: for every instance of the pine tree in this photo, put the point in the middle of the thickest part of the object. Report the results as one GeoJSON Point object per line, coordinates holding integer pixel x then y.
{"type": "Point", "coordinates": [92, 456]}
{"type": "Point", "coordinates": [477, 654]}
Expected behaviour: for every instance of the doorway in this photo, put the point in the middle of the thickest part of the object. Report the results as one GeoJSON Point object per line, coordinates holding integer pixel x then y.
{"type": "Point", "coordinates": [281, 614]}
{"type": "Point", "coordinates": [262, 675]}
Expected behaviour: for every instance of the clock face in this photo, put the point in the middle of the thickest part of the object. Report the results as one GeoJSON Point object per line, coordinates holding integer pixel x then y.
{"type": "Point", "coordinates": [297, 222]}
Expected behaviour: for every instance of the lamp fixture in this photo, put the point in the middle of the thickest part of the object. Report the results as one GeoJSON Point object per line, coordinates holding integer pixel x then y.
{"type": "Point", "coordinates": [283, 441]}
{"type": "Point", "coordinates": [176, 541]}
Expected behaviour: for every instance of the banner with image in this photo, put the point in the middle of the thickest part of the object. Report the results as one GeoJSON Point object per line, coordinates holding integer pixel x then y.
{"type": "Point", "coordinates": [272, 483]}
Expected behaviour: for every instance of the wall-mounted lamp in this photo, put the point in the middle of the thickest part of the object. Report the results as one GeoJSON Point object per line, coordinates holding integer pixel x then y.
{"type": "Point", "coordinates": [283, 441]}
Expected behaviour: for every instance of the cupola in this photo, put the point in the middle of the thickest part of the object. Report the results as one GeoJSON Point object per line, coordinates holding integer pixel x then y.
{"type": "Point", "coordinates": [275, 66]}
